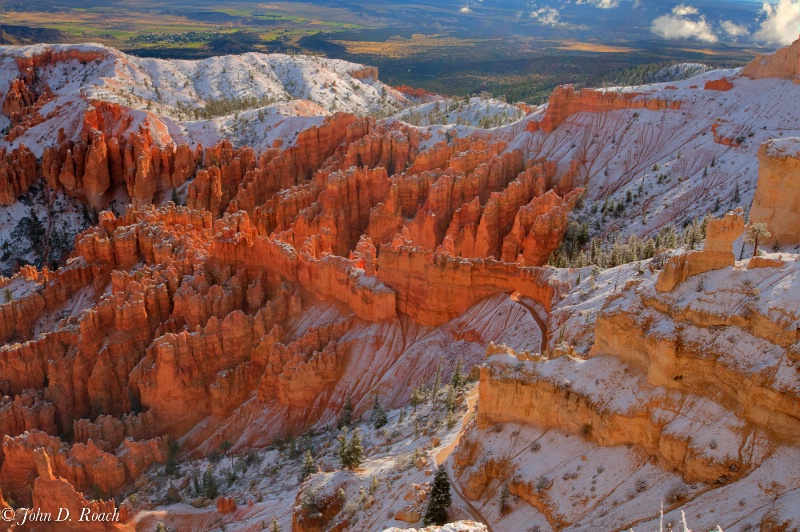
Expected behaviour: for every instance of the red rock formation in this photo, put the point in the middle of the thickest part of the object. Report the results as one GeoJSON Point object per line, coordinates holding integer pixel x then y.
{"type": "Point", "coordinates": [26, 412]}
{"type": "Point", "coordinates": [777, 198]}
{"type": "Point", "coordinates": [295, 165]}
{"type": "Point", "coordinates": [365, 72]}
{"type": "Point", "coordinates": [475, 174]}
{"type": "Point", "coordinates": [296, 374]}
{"type": "Point", "coordinates": [433, 288]}
{"type": "Point", "coordinates": [225, 505]}
{"type": "Point", "coordinates": [722, 84]}
{"type": "Point", "coordinates": [91, 167]}
{"type": "Point", "coordinates": [565, 102]}
{"type": "Point", "coordinates": [18, 171]}
{"type": "Point", "coordinates": [28, 64]}
{"type": "Point", "coordinates": [177, 374]}
{"type": "Point", "coordinates": [717, 252]}
{"type": "Point", "coordinates": [782, 63]}
{"type": "Point", "coordinates": [58, 497]}
{"type": "Point", "coordinates": [18, 97]}
{"type": "Point", "coordinates": [539, 228]}
{"type": "Point", "coordinates": [84, 466]}
{"type": "Point", "coordinates": [343, 208]}
{"type": "Point", "coordinates": [720, 138]}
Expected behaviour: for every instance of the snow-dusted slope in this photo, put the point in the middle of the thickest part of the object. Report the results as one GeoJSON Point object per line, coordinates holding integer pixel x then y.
{"type": "Point", "coordinates": [675, 164]}
{"type": "Point", "coordinates": [196, 101]}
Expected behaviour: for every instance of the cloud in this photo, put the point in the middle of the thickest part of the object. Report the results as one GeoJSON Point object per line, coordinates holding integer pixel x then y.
{"type": "Point", "coordinates": [683, 10]}
{"type": "Point", "coordinates": [683, 23]}
{"type": "Point", "coordinates": [547, 16]}
{"type": "Point", "coordinates": [733, 29]}
{"type": "Point", "coordinates": [781, 22]}
{"type": "Point", "coordinates": [465, 9]}
{"type": "Point", "coordinates": [602, 4]}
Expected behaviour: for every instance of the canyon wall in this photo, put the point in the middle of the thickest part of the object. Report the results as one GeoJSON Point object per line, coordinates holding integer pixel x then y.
{"type": "Point", "coordinates": [777, 199]}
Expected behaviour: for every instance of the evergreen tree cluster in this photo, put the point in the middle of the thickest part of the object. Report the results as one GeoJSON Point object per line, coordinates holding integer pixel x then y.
{"type": "Point", "coordinates": [210, 488]}
{"type": "Point", "coordinates": [221, 107]}
{"type": "Point", "coordinates": [440, 113]}
{"type": "Point", "coordinates": [578, 251]}
{"type": "Point", "coordinates": [351, 450]}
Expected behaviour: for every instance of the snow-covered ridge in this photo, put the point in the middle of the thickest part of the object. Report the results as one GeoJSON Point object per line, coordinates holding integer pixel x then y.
{"type": "Point", "coordinates": [241, 97]}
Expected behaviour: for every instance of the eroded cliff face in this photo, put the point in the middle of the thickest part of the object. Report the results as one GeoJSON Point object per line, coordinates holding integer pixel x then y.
{"type": "Point", "coordinates": [777, 199]}
{"type": "Point", "coordinates": [699, 383]}
{"type": "Point", "coordinates": [782, 63]}
{"type": "Point", "coordinates": [566, 101]}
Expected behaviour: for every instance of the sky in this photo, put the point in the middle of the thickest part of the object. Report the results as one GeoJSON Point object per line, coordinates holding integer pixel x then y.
{"type": "Point", "coordinates": [768, 23]}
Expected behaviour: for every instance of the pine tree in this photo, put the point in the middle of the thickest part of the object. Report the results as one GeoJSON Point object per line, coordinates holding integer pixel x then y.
{"type": "Point", "coordinates": [210, 488]}
{"type": "Point", "coordinates": [437, 382]}
{"type": "Point", "coordinates": [309, 467]}
{"type": "Point", "coordinates": [457, 382]}
{"type": "Point", "coordinates": [275, 527]}
{"type": "Point", "coordinates": [378, 415]}
{"type": "Point", "coordinates": [356, 449]}
{"type": "Point", "coordinates": [439, 500]}
{"type": "Point", "coordinates": [343, 448]}
{"type": "Point", "coordinates": [755, 233]}
{"type": "Point", "coordinates": [346, 418]}
{"type": "Point", "coordinates": [196, 486]}
{"type": "Point", "coordinates": [417, 398]}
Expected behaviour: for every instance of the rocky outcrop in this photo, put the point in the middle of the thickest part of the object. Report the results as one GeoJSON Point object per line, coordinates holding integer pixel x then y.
{"type": "Point", "coordinates": [92, 167]}
{"type": "Point", "coordinates": [58, 497]}
{"type": "Point", "coordinates": [26, 412]}
{"type": "Point", "coordinates": [296, 374]}
{"type": "Point", "coordinates": [777, 198]}
{"type": "Point", "coordinates": [366, 72]}
{"type": "Point", "coordinates": [539, 228]}
{"type": "Point", "coordinates": [433, 288]}
{"type": "Point", "coordinates": [83, 466]}
{"type": "Point", "coordinates": [294, 165]}
{"type": "Point", "coordinates": [722, 84]}
{"type": "Point", "coordinates": [343, 208]}
{"type": "Point", "coordinates": [565, 102]}
{"type": "Point", "coordinates": [515, 391]}
{"type": "Point", "coordinates": [781, 63]}
{"type": "Point", "coordinates": [716, 254]}
{"type": "Point", "coordinates": [50, 56]}
{"type": "Point", "coordinates": [18, 171]}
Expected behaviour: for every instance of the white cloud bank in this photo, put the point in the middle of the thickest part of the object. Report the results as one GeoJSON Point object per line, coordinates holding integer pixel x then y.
{"type": "Point", "coordinates": [683, 23]}
{"type": "Point", "coordinates": [781, 23]}
{"type": "Point", "coordinates": [734, 30]}
{"type": "Point", "coordinates": [547, 16]}
{"type": "Point", "coordinates": [602, 4]}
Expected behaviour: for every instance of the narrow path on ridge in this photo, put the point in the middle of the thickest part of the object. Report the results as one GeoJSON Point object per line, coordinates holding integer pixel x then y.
{"type": "Point", "coordinates": [443, 454]}
{"type": "Point", "coordinates": [472, 401]}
